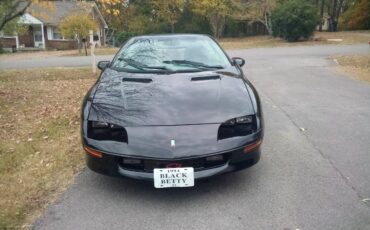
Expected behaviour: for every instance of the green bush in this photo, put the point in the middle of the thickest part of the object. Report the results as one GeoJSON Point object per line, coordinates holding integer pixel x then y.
{"type": "Point", "coordinates": [294, 20]}
{"type": "Point", "coordinates": [193, 24]}
{"type": "Point", "coordinates": [158, 28]}
{"type": "Point", "coordinates": [122, 37]}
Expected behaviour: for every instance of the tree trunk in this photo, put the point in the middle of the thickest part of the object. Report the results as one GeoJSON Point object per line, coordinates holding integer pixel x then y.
{"type": "Point", "coordinates": [217, 23]}
{"type": "Point", "coordinates": [221, 26]}
{"type": "Point", "coordinates": [172, 27]}
{"type": "Point", "coordinates": [321, 14]}
{"type": "Point", "coordinates": [213, 28]}
{"type": "Point", "coordinates": [333, 17]}
{"type": "Point", "coordinates": [85, 46]}
{"type": "Point", "coordinates": [268, 23]}
{"type": "Point", "coordinates": [79, 45]}
{"type": "Point", "coordinates": [339, 9]}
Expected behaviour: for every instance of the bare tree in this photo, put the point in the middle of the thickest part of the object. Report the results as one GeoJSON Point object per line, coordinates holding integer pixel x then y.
{"type": "Point", "coordinates": [215, 11]}
{"type": "Point", "coordinates": [255, 11]}
{"type": "Point", "coordinates": [168, 10]}
{"type": "Point", "coordinates": [335, 8]}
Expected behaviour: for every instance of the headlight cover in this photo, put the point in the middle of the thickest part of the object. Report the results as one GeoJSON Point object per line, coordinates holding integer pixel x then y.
{"type": "Point", "coordinates": [103, 124]}
{"type": "Point", "coordinates": [100, 130]}
{"type": "Point", "coordinates": [99, 124]}
{"type": "Point", "coordinates": [240, 120]}
{"type": "Point", "coordinates": [239, 126]}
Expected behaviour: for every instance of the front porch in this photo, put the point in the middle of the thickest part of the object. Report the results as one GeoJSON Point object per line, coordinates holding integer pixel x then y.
{"type": "Point", "coordinates": [35, 36]}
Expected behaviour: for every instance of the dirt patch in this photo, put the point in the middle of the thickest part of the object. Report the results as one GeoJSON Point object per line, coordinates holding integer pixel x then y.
{"type": "Point", "coordinates": [355, 66]}
{"type": "Point", "coordinates": [40, 148]}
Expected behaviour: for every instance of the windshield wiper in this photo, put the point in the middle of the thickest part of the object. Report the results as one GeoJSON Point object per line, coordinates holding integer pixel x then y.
{"type": "Point", "coordinates": [194, 64]}
{"type": "Point", "coordinates": [141, 66]}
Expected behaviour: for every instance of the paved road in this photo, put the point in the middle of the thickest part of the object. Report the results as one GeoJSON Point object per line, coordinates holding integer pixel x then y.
{"type": "Point", "coordinates": [316, 179]}
{"type": "Point", "coordinates": [81, 61]}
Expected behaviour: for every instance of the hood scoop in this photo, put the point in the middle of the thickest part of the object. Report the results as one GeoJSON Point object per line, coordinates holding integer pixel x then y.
{"type": "Point", "coordinates": [138, 80]}
{"type": "Point", "coordinates": [206, 78]}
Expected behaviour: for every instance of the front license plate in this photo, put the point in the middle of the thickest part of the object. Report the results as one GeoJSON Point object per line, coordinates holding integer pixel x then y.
{"type": "Point", "coordinates": [173, 177]}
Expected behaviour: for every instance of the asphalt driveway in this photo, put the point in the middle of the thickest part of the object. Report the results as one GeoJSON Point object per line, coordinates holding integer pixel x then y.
{"type": "Point", "coordinates": [314, 172]}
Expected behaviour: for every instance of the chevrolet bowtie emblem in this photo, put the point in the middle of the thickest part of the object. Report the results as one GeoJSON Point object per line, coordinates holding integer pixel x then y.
{"type": "Point", "coordinates": [173, 143]}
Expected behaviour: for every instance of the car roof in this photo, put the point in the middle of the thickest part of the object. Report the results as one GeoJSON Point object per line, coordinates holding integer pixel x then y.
{"type": "Point", "coordinates": [172, 35]}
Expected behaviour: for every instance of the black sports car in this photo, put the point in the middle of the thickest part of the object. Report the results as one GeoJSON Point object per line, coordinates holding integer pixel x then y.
{"type": "Point", "coordinates": [171, 109]}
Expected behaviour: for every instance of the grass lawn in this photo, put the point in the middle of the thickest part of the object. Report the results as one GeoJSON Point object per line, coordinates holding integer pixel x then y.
{"type": "Point", "coordinates": [355, 66]}
{"type": "Point", "coordinates": [98, 51]}
{"type": "Point", "coordinates": [40, 149]}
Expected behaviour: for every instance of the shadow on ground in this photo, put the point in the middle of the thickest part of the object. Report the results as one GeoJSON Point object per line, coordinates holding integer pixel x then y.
{"type": "Point", "coordinates": [144, 191]}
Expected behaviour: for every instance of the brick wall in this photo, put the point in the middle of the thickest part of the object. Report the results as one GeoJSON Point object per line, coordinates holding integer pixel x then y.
{"type": "Point", "coordinates": [7, 42]}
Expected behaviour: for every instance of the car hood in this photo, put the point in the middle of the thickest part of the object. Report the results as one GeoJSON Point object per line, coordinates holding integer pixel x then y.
{"type": "Point", "coordinates": [132, 99]}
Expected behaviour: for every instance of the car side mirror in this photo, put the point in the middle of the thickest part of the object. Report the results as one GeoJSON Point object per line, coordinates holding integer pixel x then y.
{"type": "Point", "coordinates": [238, 61]}
{"type": "Point", "coordinates": [102, 65]}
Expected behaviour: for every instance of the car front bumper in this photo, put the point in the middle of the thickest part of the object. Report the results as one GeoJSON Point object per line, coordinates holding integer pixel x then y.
{"type": "Point", "coordinates": [236, 160]}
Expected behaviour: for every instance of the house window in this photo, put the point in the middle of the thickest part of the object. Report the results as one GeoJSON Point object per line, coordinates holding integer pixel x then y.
{"type": "Point", "coordinates": [56, 33]}
{"type": "Point", "coordinates": [53, 33]}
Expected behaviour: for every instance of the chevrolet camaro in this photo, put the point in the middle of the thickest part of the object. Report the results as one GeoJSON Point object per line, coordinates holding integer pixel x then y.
{"type": "Point", "coordinates": [171, 109]}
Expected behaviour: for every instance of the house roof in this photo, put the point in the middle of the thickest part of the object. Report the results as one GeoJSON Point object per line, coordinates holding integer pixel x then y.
{"type": "Point", "coordinates": [29, 19]}
{"type": "Point", "coordinates": [52, 13]}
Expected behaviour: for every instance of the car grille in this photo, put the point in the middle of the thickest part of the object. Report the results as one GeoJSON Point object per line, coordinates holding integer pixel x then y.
{"type": "Point", "coordinates": [148, 165]}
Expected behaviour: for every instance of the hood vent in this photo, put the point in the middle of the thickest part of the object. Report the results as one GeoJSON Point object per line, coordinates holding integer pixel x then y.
{"type": "Point", "coordinates": [139, 80]}
{"type": "Point", "coordinates": [206, 78]}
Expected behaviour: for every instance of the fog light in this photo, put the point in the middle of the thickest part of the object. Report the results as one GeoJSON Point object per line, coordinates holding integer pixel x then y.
{"type": "Point", "coordinates": [215, 158]}
{"type": "Point", "coordinates": [130, 161]}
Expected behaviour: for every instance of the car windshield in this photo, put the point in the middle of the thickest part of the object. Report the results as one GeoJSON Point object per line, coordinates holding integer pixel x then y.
{"type": "Point", "coordinates": [170, 53]}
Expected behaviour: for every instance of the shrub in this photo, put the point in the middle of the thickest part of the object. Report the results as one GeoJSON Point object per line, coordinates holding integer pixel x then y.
{"type": "Point", "coordinates": [294, 20]}
{"type": "Point", "coordinates": [122, 37]}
